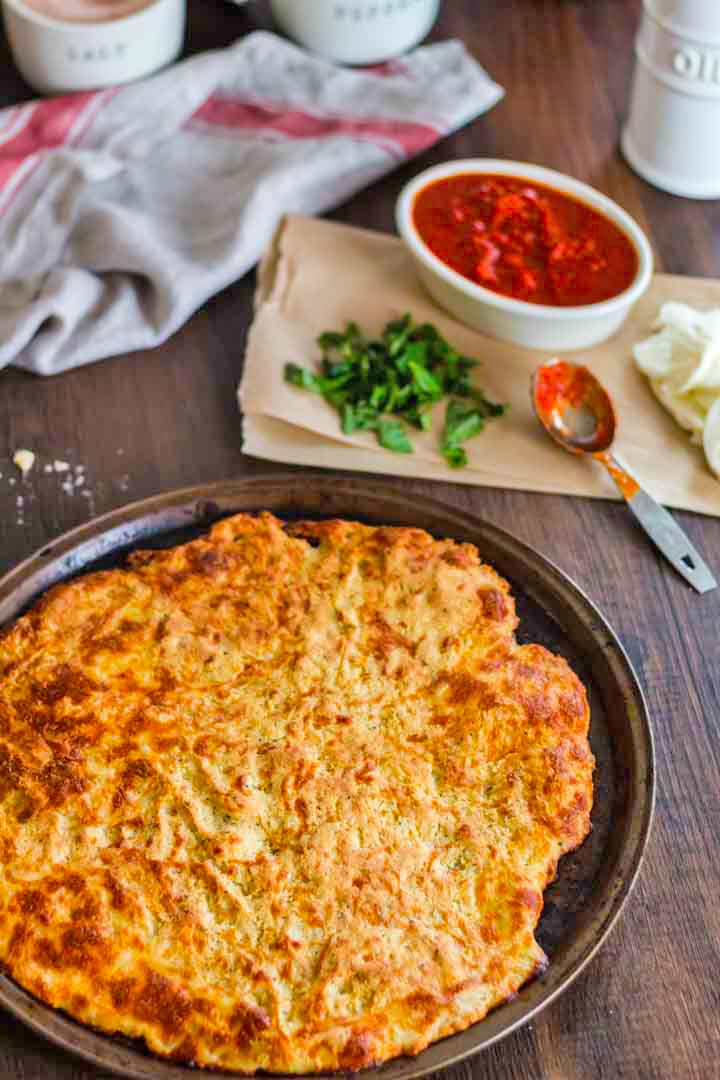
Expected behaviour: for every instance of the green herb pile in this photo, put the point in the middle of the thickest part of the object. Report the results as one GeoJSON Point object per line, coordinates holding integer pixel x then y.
{"type": "Point", "coordinates": [403, 375]}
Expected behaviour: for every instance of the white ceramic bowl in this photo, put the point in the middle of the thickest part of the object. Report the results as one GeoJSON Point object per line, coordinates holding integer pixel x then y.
{"type": "Point", "coordinates": [356, 31]}
{"type": "Point", "coordinates": [58, 57]}
{"type": "Point", "coordinates": [537, 326]}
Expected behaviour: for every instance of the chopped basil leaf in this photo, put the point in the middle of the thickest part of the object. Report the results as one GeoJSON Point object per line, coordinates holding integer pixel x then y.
{"type": "Point", "coordinates": [403, 374]}
{"type": "Point", "coordinates": [300, 376]}
{"type": "Point", "coordinates": [456, 457]}
{"type": "Point", "coordinates": [391, 435]}
{"type": "Point", "coordinates": [462, 421]}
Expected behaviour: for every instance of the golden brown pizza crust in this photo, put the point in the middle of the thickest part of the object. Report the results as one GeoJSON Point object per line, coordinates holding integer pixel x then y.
{"type": "Point", "coordinates": [286, 797]}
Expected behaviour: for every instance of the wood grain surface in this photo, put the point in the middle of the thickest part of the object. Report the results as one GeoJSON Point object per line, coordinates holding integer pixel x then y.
{"type": "Point", "coordinates": [648, 1006]}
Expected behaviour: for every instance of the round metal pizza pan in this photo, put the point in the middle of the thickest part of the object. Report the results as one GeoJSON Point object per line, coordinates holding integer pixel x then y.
{"type": "Point", "coordinates": [593, 883]}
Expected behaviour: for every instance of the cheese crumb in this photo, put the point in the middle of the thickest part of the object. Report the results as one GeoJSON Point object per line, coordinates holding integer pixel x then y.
{"type": "Point", "coordinates": [60, 466]}
{"type": "Point", "coordinates": [24, 459]}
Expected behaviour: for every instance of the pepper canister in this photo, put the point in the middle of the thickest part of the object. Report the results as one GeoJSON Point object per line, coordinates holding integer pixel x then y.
{"type": "Point", "coordinates": [672, 135]}
{"type": "Point", "coordinates": [356, 31]}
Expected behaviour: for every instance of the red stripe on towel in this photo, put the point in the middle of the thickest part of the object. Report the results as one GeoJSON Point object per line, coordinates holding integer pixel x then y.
{"type": "Point", "coordinates": [389, 69]}
{"type": "Point", "coordinates": [47, 125]}
{"type": "Point", "coordinates": [403, 137]}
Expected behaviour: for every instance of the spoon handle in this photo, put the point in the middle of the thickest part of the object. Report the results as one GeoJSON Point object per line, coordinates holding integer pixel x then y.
{"type": "Point", "coordinates": [664, 531]}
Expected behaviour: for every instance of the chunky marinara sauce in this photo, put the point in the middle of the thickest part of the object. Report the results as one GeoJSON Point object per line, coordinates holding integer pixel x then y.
{"type": "Point", "coordinates": [524, 240]}
{"type": "Point", "coordinates": [561, 386]}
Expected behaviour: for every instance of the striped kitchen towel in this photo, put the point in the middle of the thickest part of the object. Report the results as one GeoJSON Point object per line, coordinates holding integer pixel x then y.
{"type": "Point", "coordinates": [123, 211]}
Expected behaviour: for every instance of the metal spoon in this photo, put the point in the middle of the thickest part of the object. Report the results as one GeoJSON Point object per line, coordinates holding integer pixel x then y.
{"type": "Point", "coordinates": [576, 411]}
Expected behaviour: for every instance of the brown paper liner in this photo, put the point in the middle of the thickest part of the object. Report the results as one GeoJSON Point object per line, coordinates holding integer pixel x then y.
{"type": "Point", "coordinates": [318, 276]}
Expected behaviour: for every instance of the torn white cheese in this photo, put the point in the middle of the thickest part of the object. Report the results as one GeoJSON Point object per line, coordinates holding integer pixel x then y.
{"type": "Point", "coordinates": [682, 362]}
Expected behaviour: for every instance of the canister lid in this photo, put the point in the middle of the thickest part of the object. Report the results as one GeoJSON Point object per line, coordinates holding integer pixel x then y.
{"type": "Point", "coordinates": [698, 19]}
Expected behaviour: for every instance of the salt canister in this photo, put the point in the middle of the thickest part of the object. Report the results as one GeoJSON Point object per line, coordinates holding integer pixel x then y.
{"type": "Point", "coordinates": [58, 55]}
{"type": "Point", "coordinates": [672, 135]}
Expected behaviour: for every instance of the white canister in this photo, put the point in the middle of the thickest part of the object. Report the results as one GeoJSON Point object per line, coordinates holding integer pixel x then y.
{"type": "Point", "coordinates": [672, 135]}
{"type": "Point", "coordinates": [356, 31]}
{"type": "Point", "coordinates": [55, 56]}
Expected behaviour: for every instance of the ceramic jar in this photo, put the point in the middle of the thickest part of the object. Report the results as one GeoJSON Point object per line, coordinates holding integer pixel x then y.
{"type": "Point", "coordinates": [356, 31]}
{"type": "Point", "coordinates": [672, 135]}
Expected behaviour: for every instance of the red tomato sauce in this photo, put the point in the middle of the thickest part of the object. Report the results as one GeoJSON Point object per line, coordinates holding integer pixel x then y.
{"type": "Point", "coordinates": [560, 386]}
{"type": "Point", "coordinates": [524, 240]}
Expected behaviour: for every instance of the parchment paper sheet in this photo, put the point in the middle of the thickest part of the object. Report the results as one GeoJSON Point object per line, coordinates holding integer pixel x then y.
{"type": "Point", "coordinates": [319, 275]}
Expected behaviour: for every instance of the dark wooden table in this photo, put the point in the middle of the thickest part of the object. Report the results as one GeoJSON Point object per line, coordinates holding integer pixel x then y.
{"type": "Point", "coordinates": [648, 1006]}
